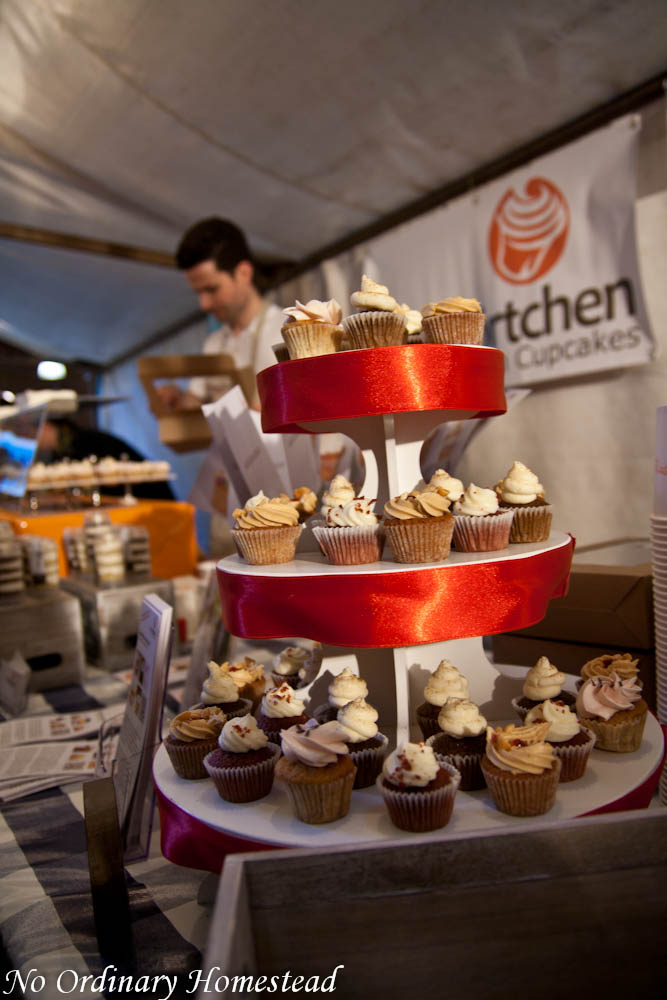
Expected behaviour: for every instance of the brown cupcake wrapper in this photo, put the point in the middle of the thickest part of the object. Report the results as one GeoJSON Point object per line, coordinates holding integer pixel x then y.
{"type": "Point", "coordinates": [469, 767]}
{"type": "Point", "coordinates": [573, 759]}
{"type": "Point", "coordinates": [321, 803]}
{"type": "Point", "coordinates": [417, 812]}
{"type": "Point", "coordinates": [187, 759]}
{"type": "Point", "coordinates": [266, 546]}
{"type": "Point", "coordinates": [454, 328]}
{"type": "Point", "coordinates": [520, 710]}
{"type": "Point", "coordinates": [350, 546]}
{"type": "Point", "coordinates": [281, 352]}
{"type": "Point", "coordinates": [520, 794]}
{"type": "Point", "coordinates": [310, 340]}
{"type": "Point", "coordinates": [375, 329]}
{"type": "Point", "coordinates": [487, 533]}
{"type": "Point", "coordinates": [429, 540]}
{"type": "Point", "coordinates": [621, 737]}
{"type": "Point", "coordinates": [427, 723]}
{"type": "Point", "coordinates": [531, 524]}
{"type": "Point", "coordinates": [368, 762]}
{"type": "Point", "coordinates": [245, 783]}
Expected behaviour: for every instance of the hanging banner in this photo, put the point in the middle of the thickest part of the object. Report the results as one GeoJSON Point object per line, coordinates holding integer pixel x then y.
{"type": "Point", "coordinates": [550, 252]}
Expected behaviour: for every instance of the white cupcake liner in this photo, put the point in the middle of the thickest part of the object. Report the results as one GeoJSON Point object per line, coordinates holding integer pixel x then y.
{"type": "Point", "coordinates": [350, 546]}
{"type": "Point", "coordinates": [368, 762]}
{"type": "Point", "coordinates": [420, 812]}
{"type": "Point", "coordinates": [375, 329]}
{"type": "Point", "coordinates": [530, 524]}
{"type": "Point", "coordinates": [487, 533]}
{"type": "Point", "coordinates": [310, 340]}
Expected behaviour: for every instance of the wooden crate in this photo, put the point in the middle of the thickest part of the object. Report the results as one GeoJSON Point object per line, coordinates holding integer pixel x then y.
{"type": "Point", "coordinates": [575, 908]}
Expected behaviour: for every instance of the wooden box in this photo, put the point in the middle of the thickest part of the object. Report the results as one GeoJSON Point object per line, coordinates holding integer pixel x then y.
{"type": "Point", "coordinates": [45, 625]}
{"type": "Point", "coordinates": [573, 908]}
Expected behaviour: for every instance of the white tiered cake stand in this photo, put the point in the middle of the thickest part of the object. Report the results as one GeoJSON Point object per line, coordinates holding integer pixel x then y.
{"type": "Point", "coordinates": [405, 617]}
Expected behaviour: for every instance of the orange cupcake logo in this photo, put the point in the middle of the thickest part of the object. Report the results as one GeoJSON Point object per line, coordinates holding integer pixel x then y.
{"type": "Point", "coordinates": [528, 232]}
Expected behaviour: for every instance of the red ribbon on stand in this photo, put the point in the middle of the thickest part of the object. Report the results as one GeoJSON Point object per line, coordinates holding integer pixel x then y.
{"type": "Point", "coordinates": [468, 380]}
{"type": "Point", "coordinates": [397, 609]}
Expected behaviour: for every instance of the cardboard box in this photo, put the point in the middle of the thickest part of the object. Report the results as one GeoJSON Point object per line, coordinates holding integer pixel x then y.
{"type": "Point", "coordinates": [610, 598]}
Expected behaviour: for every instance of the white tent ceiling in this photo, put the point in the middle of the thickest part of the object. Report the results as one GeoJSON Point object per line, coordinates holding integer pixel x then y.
{"type": "Point", "coordinates": [303, 120]}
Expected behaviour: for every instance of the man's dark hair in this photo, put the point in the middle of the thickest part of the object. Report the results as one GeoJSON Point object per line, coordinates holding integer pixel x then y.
{"type": "Point", "coordinates": [212, 239]}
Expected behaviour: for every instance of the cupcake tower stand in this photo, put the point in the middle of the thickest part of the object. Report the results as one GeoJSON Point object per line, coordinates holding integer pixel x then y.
{"type": "Point", "coordinates": [395, 617]}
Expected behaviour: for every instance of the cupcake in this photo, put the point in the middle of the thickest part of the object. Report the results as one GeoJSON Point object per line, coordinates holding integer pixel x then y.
{"type": "Point", "coordinates": [192, 735]}
{"type": "Point", "coordinates": [248, 677]}
{"type": "Point", "coordinates": [520, 769]}
{"type": "Point", "coordinates": [571, 741]}
{"type": "Point", "coordinates": [243, 763]}
{"type": "Point", "coordinates": [622, 664]}
{"type": "Point", "coordinates": [453, 321]}
{"type": "Point", "coordinates": [542, 681]}
{"type": "Point", "coordinates": [220, 691]}
{"type": "Point", "coordinates": [614, 710]}
{"type": "Point", "coordinates": [419, 526]}
{"type": "Point", "coordinates": [305, 501]}
{"type": "Point", "coordinates": [266, 531]}
{"type": "Point", "coordinates": [312, 329]}
{"type": "Point", "coordinates": [352, 534]}
{"type": "Point", "coordinates": [367, 747]}
{"type": "Point", "coordinates": [317, 772]}
{"type": "Point", "coordinates": [479, 525]}
{"type": "Point", "coordinates": [441, 480]}
{"type": "Point", "coordinates": [522, 492]}
{"type": "Point", "coordinates": [340, 492]}
{"type": "Point", "coordinates": [279, 709]}
{"type": "Point", "coordinates": [287, 664]}
{"type": "Point", "coordinates": [444, 683]}
{"type": "Point", "coordinates": [413, 320]}
{"type": "Point", "coordinates": [344, 688]}
{"type": "Point", "coordinates": [462, 741]}
{"type": "Point", "coordinates": [376, 323]}
{"type": "Point", "coordinates": [418, 790]}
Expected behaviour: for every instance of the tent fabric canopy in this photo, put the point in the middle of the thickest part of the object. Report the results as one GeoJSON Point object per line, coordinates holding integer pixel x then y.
{"type": "Point", "coordinates": [302, 121]}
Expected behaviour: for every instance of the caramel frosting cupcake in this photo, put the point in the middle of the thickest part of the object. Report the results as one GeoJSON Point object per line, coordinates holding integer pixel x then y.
{"type": "Point", "coordinates": [441, 480]}
{"type": "Point", "coordinates": [312, 329]}
{"type": "Point", "coordinates": [249, 678]}
{"type": "Point", "coordinates": [352, 535]}
{"type": "Point", "coordinates": [192, 735]}
{"type": "Point", "coordinates": [317, 772]}
{"type": "Point", "coordinates": [542, 681]}
{"type": "Point", "coordinates": [453, 321]}
{"type": "Point", "coordinates": [344, 688]}
{"type": "Point", "coordinates": [242, 766]}
{"type": "Point", "coordinates": [445, 682]}
{"type": "Point", "coordinates": [522, 492]}
{"type": "Point", "coordinates": [279, 709]}
{"type": "Point", "coordinates": [614, 710]}
{"type": "Point", "coordinates": [413, 319]}
{"type": "Point", "coordinates": [520, 769]}
{"type": "Point", "coordinates": [220, 690]}
{"type": "Point", "coordinates": [305, 501]}
{"type": "Point", "coordinates": [479, 524]}
{"type": "Point", "coordinates": [571, 741]}
{"type": "Point", "coordinates": [288, 663]}
{"type": "Point", "coordinates": [266, 531]}
{"type": "Point", "coordinates": [358, 723]}
{"type": "Point", "coordinates": [418, 789]}
{"type": "Point", "coordinates": [461, 740]}
{"type": "Point", "coordinates": [624, 665]}
{"type": "Point", "coordinates": [419, 526]}
{"type": "Point", "coordinates": [376, 323]}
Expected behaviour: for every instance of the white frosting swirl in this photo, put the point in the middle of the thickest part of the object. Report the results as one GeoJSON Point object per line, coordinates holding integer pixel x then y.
{"type": "Point", "coordinates": [520, 485]}
{"type": "Point", "coordinates": [563, 723]}
{"type": "Point", "coordinates": [313, 745]}
{"type": "Point", "coordinates": [476, 502]}
{"type": "Point", "coordinates": [373, 296]}
{"type": "Point", "coordinates": [315, 311]}
{"type": "Point", "coordinates": [282, 703]}
{"type": "Point", "coordinates": [445, 682]}
{"type": "Point", "coordinates": [358, 720]}
{"type": "Point", "coordinates": [242, 735]}
{"type": "Point", "coordinates": [340, 492]}
{"type": "Point", "coordinates": [345, 687]}
{"type": "Point", "coordinates": [414, 764]}
{"type": "Point", "coordinates": [355, 513]}
{"type": "Point", "coordinates": [218, 688]}
{"type": "Point", "coordinates": [460, 717]}
{"type": "Point", "coordinates": [442, 480]}
{"type": "Point", "coordinates": [543, 681]}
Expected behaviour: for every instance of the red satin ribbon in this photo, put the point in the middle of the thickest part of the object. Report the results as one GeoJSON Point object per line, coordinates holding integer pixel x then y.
{"type": "Point", "coordinates": [397, 609]}
{"type": "Point", "coordinates": [385, 380]}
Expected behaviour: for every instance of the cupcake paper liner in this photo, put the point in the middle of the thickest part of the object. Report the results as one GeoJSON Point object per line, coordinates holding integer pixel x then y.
{"type": "Point", "coordinates": [469, 767]}
{"type": "Point", "coordinates": [421, 812]}
{"type": "Point", "coordinates": [368, 762]}
{"type": "Point", "coordinates": [522, 794]}
{"type": "Point", "coordinates": [187, 759]}
{"type": "Point", "coordinates": [530, 524]}
{"type": "Point", "coordinates": [427, 540]}
{"type": "Point", "coordinates": [427, 723]}
{"type": "Point", "coordinates": [265, 546]}
{"type": "Point", "coordinates": [487, 533]}
{"type": "Point", "coordinates": [350, 546]}
{"type": "Point", "coordinates": [375, 329]}
{"type": "Point", "coordinates": [281, 352]}
{"type": "Point", "coordinates": [310, 340]}
{"type": "Point", "coordinates": [573, 759]}
{"type": "Point", "coordinates": [622, 735]}
{"type": "Point", "coordinates": [454, 328]}
{"type": "Point", "coordinates": [244, 783]}
{"type": "Point", "coordinates": [321, 803]}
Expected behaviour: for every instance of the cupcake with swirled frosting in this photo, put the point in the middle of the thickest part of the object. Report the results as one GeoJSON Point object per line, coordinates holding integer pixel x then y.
{"type": "Point", "coordinates": [243, 763]}
{"type": "Point", "coordinates": [339, 492]}
{"type": "Point", "coordinates": [220, 691]}
{"type": "Point", "coordinates": [522, 492]}
{"type": "Point", "coordinates": [453, 321]}
{"type": "Point", "coordinates": [445, 682]}
{"type": "Point", "coordinates": [248, 675]}
{"type": "Point", "coordinates": [418, 789]}
{"type": "Point", "coordinates": [461, 740]}
{"type": "Point", "coordinates": [313, 328]}
{"type": "Point", "coordinates": [279, 709]}
{"type": "Point", "coordinates": [376, 322]}
{"type": "Point", "coordinates": [521, 769]}
{"type": "Point", "coordinates": [571, 740]}
{"type": "Point", "coordinates": [344, 688]}
{"type": "Point", "coordinates": [287, 664]}
{"type": "Point", "coordinates": [266, 530]}
{"type": "Point", "coordinates": [479, 524]}
{"type": "Point", "coordinates": [317, 771]}
{"type": "Point", "coordinates": [441, 480]}
{"type": "Point", "coordinates": [352, 535]}
{"type": "Point", "coordinates": [419, 526]}
{"type": "Point", "coordinates": [613, 708]}
{"type": "Point", "coordinates": [192, 735]}
{"type": "Point", "coordinates": [367, 746]}
{"type": "Point", "coordinates": [543, 681]}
